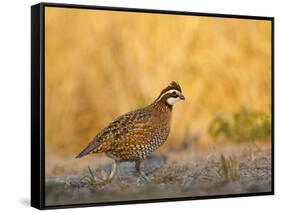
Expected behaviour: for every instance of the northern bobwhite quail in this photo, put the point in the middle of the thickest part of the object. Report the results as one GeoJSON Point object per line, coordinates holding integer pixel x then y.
{"type": "Point", "coordinates": [136, 134]}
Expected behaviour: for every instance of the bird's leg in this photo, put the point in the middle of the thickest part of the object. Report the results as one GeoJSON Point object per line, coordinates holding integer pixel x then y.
{"type": "Point", "coordinates": [113, 171]}
{"type": "Point", "coordinates": [138, 166]}
{"type": "Point", "coordinates": [141, 174]}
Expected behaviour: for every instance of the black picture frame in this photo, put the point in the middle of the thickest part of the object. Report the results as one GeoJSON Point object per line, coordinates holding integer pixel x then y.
{"type": "Point", "coordinates": [38, 102]}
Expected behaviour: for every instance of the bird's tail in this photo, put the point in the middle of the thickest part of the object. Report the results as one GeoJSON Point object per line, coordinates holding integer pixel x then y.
{"type": "Point", "coordinates": [91, 148]}
{"type": "Point", "coordinates": [85, 151]}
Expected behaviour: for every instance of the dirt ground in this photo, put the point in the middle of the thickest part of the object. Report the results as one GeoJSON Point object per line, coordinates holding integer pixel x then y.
{"type": "Point", "coordinates": [185, 172]}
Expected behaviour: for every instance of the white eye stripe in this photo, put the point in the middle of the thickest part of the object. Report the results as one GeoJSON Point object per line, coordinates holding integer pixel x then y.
{"type": "Point", "coordinates": [169, 91]}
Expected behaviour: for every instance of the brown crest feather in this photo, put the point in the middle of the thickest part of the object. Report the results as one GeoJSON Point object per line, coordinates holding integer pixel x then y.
{"type": "Point", "coordinates": [172, 85]}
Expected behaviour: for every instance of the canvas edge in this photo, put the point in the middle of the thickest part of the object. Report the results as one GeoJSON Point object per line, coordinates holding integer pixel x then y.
{"type": "Point", "coordinates": [159, 11]}
{"type": "Point", "coordinates": [272, 106]}
{"type": "Point", "coordinates": [37, 106]}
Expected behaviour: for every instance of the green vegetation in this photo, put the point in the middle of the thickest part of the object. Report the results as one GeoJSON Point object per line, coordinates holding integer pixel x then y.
{"type": "Point", "coordinates": [244, 125]}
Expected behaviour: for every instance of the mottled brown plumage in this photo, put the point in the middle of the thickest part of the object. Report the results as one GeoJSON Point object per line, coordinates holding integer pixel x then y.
{"type": "Point", "coordinates": [136, 134]}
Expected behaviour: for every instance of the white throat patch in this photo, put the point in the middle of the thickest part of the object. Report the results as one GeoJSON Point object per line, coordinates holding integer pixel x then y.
{"type": "Point", "coordinates": [171, 101]}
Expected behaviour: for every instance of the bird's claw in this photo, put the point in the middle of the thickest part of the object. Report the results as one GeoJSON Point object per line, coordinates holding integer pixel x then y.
{"type": "Point", "coordinates": [94, 180]}
{"type": "Point", "coordinates": [143, 178]}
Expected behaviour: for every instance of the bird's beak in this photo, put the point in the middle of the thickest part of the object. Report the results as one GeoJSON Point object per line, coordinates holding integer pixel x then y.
{"type": "Point", "coordinates": [182, 97]}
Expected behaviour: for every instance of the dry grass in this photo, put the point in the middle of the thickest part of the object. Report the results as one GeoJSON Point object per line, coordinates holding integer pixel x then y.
{"type": "Point", "coordinates": [230, 168]}
{"type": "Point", "coordinates": [102, 64]}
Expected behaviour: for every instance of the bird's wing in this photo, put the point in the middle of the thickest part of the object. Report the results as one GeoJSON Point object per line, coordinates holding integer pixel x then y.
{"type": "Point", "coordinates": [119, 130]}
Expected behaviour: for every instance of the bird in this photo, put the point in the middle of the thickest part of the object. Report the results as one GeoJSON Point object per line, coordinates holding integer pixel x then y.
{"type": "Point", "coordinates": [133, 136]}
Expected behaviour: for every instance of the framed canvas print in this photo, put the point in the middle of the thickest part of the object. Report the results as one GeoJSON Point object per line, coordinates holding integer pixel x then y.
{"type": "Point", "coordinates": [137, 105]}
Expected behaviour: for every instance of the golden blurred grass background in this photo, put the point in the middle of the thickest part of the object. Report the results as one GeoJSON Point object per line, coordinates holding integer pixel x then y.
{"type": "Point", "coordinates": [100, 64]}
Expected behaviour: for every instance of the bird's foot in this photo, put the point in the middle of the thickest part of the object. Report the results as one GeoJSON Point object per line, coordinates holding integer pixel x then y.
{"type": "Point", "coordinates": [94, 180]}
{"type": "Point", "coordinates": [142, 178]}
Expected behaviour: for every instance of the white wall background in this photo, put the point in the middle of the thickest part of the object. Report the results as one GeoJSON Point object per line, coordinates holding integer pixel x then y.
{"type": "Point", "coordinates": [15, 105]}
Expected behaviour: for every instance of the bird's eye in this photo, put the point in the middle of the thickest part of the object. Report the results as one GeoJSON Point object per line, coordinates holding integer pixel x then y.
{"type": "Point", "coordinates": [174, 93]}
